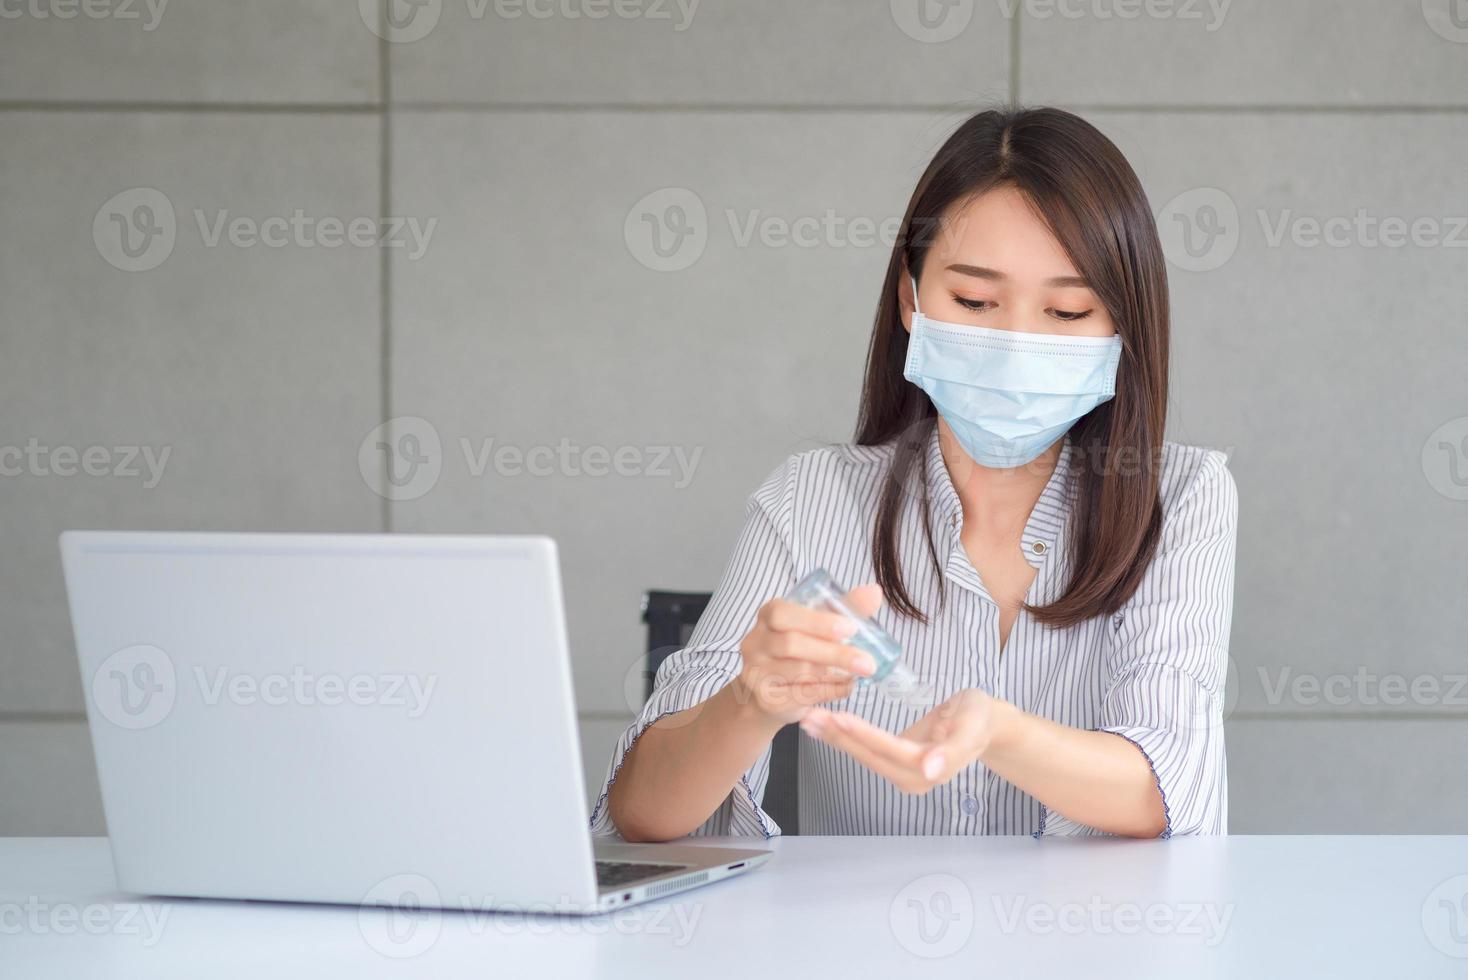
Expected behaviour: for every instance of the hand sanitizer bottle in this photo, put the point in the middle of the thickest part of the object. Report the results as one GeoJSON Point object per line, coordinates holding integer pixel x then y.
{"type": "Point", "coordinates": [819, 591]}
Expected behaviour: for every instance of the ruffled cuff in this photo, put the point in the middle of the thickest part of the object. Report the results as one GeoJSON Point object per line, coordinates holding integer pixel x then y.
{"type": "Point", "coordinates": [1190, 776]}
{"type": "Point", "coordinates": [740, 815]}
{"type": "Point", "coordinates": [1053, 824]}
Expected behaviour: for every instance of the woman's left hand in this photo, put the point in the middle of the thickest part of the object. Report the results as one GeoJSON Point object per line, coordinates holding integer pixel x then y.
{"type": "Point", "coordinates": [952, 736]}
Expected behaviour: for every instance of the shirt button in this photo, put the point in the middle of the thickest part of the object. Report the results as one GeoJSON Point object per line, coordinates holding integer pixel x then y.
{"type": "Point", "coordinates": [1038, 547]}
{"type": "Point", "coordinates": [969, 805]}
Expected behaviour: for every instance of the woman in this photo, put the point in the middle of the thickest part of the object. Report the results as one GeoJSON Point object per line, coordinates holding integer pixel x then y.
{"type": "Point", "coordinates": [1060, 576]}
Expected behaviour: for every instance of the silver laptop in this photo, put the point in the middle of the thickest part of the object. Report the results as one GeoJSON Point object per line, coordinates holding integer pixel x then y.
{"type": "Point", "coordinates": [361, 719]}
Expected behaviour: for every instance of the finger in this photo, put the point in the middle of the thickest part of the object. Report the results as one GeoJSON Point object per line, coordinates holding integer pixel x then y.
{"type": "Point", "coordinates": [865, 600]}
{"type": "Point", "coordinates": [951, 745]}
{"type": "Point", "coordinates": [860, 738]}
{"type": "Point", "coordinates": [800, 693]}
{"type": "Point", "coordinates": [807, 649]}
{"type": "Point", "coordinates": [906, 778]}
{"type": "Point", "coordinates": [937, 765]}
{"type": "Point", "coordinates": [893, 748]}
{"type": "Point", "coordinates": [920, 730]}
{"type": "Point", "coordinates": [804, 692]}
{"type": "Point", "coordinates": [815, 693]}
{"type": "Point", "coordinates": [784, 616]}
{"type": "Point", "coordinates": [950, 751]}
{"type": "Point", "coordinates": [938, 724]}
{"type": "Point", "coordinates": [818, 684]}
{"type": "Point", "coordinates": [931, 728]}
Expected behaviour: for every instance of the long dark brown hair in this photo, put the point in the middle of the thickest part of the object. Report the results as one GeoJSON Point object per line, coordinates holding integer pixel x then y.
{"type": "Point", "coordinates": [1086, 192]}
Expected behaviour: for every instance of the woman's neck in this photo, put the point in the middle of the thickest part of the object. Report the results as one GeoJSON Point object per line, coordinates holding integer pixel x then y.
{"type": "Point", "coordinates": [996, 502]}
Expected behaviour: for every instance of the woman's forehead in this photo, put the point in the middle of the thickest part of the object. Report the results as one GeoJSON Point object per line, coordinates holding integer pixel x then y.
{"type": "Point", "coordinates": [999, 229]}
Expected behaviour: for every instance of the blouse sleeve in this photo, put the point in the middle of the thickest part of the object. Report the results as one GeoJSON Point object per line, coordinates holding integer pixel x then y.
{"type": "Point", "coordinates": [1168, 659]}
{"type": "Point", "coordinates": [760, 568]}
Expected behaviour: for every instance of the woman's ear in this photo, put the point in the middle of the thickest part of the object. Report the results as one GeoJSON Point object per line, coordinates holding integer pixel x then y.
{"type": "Point", "coordinates": [905, 298]}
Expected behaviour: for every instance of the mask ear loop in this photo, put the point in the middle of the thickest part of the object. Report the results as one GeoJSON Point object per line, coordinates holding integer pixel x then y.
{"type": "Point", "coordinates": [915, 308]}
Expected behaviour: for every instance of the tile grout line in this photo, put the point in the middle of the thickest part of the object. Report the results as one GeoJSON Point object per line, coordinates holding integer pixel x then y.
{"type": "Point", "coordinates": [732, 108]}
{"type": "Point", "coordinates": [41, 717]}
{"type": "Point", "coordinates": [221, 108]}
{"type": "Point", "coordinates": [80, 717]}
{"type": "Point", "coordinates": [384, 267]}
{"type": "Point", "coordinates": [960, 106]}
{"type": "Point", "coordinates": [1297, 715]}
{"type": "Point", "coordinates": [58, 717]}
{"type": "Point", "coordinates": [1014, 29]}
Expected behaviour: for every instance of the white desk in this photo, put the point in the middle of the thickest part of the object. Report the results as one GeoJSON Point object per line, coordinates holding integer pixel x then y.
{"type": "Point", "coordinates": [1379, 907]}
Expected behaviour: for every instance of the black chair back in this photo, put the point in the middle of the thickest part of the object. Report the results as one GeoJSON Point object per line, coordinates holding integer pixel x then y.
{"type": "Point", "coordinates": [670, 618]}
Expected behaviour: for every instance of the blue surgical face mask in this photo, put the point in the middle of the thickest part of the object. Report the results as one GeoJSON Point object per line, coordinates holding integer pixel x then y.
{"type": "Point", "coordinates": [1008, 396]}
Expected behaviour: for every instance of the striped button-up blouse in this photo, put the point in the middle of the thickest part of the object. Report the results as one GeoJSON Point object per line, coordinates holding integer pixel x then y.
{"type": "Point", "coordinates": [1152, 673]}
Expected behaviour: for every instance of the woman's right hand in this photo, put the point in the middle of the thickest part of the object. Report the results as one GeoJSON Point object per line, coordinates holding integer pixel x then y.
{"type": "Point", "coordinates": [794, 657]}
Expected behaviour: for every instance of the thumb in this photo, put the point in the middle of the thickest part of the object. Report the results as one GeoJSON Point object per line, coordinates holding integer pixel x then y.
{"type": "Point", "coordinates": [865, 599]}
{"type": "Point", "coordinates": [935, 763]}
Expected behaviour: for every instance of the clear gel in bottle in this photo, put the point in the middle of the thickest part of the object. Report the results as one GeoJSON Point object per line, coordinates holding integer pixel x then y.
{"type": "Point", "coordinates": [819, 591]}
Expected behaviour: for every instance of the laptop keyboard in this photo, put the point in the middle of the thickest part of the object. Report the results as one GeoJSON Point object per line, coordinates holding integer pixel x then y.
{"type": "Point", "coordinates": [610, 873]}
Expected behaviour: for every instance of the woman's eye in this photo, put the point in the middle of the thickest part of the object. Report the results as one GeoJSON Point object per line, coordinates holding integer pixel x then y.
{"type": "Point", "coordinates": [976, 305]}
{"type": "Point", "coordinates": [1069, 316]}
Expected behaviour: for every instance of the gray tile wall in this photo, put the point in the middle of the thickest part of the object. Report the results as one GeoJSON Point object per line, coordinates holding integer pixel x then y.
{"type": "Point", "coordinates": [649, 252]}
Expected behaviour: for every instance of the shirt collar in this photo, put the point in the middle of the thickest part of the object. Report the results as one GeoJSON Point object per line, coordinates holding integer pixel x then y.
{"type": "Point", "coordinates": [1042, 533]}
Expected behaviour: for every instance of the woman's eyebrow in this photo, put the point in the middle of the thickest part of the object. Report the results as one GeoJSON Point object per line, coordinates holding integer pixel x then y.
{"type": "Point", "coordinates": [977, 271]}
{"type": "Point", "coordinates": [983, 272]}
